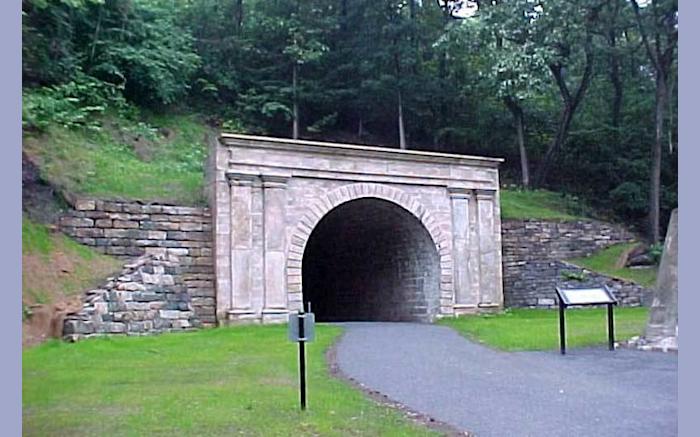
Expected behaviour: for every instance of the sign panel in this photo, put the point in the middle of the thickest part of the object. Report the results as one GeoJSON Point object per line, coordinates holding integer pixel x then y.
{"type": "Point", "coordinates": [585, 296]}
{"type": "Point", "coordinates": [308, 320]}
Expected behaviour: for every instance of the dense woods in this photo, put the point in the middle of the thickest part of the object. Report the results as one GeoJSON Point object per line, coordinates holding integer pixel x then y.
{"type": "Point", "coordinates": [579, 97]}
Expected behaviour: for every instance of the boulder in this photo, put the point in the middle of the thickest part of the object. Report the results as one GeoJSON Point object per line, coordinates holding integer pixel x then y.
{"type": "Point", "coordinates": [662, 327]}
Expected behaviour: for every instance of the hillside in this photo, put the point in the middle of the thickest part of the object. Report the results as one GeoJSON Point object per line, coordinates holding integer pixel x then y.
{"type": "Point", "coordinates": [153, 158]}
{"type": "Point", "coordinates": [55, 272]}
{"type": "Point", "coordinates": [163, 158]}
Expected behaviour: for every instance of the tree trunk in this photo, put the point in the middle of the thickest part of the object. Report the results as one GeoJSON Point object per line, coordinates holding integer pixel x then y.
{"type": "Point", "coordinates": [614, 73]}
{"type": "Point", "coordinates": [571, 102]}
{"type": "Point", "coordinates": [519, 121]}
{"type": "Point", "coordinates": [402, 134]}
{"type": "Point", "coordinates": [521, 147]}
{"type": "Point", "coordinates": [96, 35]}
{"type": "Point", "coordinates": [239, 14]}
{"type": "Point", "coordinates": [616, 110]}
{"type": "Point", "coordinates": [562, 131]}
{"type": "Point", "coordinates": [662, 60]}
{"type": "Point", "coordinates": [655, 182]}
{"type": "Point", "coordinates": [295, 104]}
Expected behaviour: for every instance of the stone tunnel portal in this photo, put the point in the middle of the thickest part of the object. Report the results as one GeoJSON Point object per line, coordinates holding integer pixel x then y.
{"type": "Point", "coordinates": [371, 260]}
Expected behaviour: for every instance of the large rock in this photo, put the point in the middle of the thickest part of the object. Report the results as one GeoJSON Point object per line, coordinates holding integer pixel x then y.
{"type": "Point", "coordinates": [662, 327]}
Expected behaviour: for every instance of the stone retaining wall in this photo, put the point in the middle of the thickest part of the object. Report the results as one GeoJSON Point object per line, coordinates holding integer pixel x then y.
{"type": "Point", "coordinates": [533, 251]}
{"type": "Point", "coordinates": [130, 229]}
{"type": "Point", "coordinates": [149, 296]}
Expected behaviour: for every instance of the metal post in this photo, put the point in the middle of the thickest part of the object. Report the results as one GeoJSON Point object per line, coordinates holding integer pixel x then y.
{"type": "Point", "coordinates": [302, 361]}
{"type": "Point", "coordinates": [562, 328]}
{"type": "Point", "coordinates": [611, 328]}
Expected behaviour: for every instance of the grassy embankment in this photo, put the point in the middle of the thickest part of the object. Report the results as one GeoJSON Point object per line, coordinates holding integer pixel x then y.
{"type": "Point", "coordinates": [227, 381]}
{"type": "Point", "coordinates": [55, 267]}
{"type": "Point", "coordinates": [547, 205]}
{"type": "Point", "coordinates": [536, 204]}
{"type": "Point", "coordinates": [161, 159]}
{"type": "Point", "coordinates": [605, 262]}
{"type": "Point", "coordinates": [538, 329]}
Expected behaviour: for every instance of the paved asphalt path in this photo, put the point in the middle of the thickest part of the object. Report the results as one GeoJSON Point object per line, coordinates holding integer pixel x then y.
{"type": "Point", "coordinates": [588, 392]}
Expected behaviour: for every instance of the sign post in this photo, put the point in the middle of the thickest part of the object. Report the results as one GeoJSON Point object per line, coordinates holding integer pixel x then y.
{"type": "Point", "coordinates": [301, 329]}
{"type": "Point", "coordinates": [585, 296]}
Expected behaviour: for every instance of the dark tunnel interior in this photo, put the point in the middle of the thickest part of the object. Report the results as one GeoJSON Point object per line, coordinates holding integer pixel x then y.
{"type": "Point", "coordinates": [371, 260]}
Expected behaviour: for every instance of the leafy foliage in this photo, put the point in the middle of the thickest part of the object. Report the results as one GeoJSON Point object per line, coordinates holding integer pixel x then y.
{"type": "Point", "coordinates": [568, 85]}
{"type": "Point", "coordinates": [77, 103]}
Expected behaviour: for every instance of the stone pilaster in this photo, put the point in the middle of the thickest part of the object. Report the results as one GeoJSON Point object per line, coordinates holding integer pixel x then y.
{"type": "Point", "coordinates": [465, 296]}
{"type": "Point", "coordinates": [274, 228]}
{"type": "Point", "coordinates": [241, 307]}
{"type": "Point", "coordinates": [489, 251]}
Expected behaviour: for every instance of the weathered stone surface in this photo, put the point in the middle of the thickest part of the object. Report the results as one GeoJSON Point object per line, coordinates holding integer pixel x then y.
{"type": "Point", "coordinates": [130, 229]}
{"type": "Point", "coordinates": [85, 204]}
{"type": "Point", "coordinates": [143, 299]}
{"type": "Point", "coordinates": [75, 222]}
{"type": "Point", "coordinates": [272, 193]}
{"type": "Point", "coordinates": [662, 328]}
{"type": "Point", "coordinates": [532, 254]}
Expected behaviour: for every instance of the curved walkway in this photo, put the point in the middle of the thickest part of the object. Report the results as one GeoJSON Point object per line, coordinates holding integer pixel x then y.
{"type": "Point", "coordinates": [588, 392]}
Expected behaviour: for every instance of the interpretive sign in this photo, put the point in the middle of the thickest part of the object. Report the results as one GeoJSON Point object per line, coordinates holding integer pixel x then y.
{"type": "Point", "coordinates": [585, 296]}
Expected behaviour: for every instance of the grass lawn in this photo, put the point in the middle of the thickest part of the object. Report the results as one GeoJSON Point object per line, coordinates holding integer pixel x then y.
{"type": "Point", "coordinates": [227, 381]}
{"type": "Point", "coordinates": [126, 159]}
{"type": "Point", "coordinates": [604, 261]}
{"type": "Point", "coordinates": [536, 204]}
{"type": "Point", "coordinates": [538, 329]}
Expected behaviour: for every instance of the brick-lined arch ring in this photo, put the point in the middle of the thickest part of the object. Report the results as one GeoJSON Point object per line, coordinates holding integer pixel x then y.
{"type": "Point", "coordinates": [347, 193]}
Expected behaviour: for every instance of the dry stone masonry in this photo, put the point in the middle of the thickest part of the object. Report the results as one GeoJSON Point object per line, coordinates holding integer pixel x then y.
{"type": "Point", "coordinates": [533, 251]}
{"type": "Point", "coordinates": [272, 195]}
{"type": "Point", "coordinates": [131, 229]}
{"type": "Point", "coordinates": [149, 296]}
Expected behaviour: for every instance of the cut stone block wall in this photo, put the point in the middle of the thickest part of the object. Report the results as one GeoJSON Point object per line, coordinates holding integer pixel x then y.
{"type": "Point", "coordinates": [271, 193]}
{"type": "Point", "coordinates": [533, 251]}
{"type": "Point", "coordinates": [149, 296]}
{"type": "Point", "coordinates": [370, 260]}
{"type": "Point", "coordinates": [130, 229]}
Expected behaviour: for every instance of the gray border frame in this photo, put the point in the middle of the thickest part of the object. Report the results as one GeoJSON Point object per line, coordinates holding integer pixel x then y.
{"type": "Point", "coordinates": [11, 125]}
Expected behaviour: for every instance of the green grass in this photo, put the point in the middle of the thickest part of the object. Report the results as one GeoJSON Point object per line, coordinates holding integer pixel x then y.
{"type": "Point", "coordinates": [537, 204]}
{"type": "Point", "coordinates": [538, 329]}
{"type": "Point", "coordinates": [35, 238]}
{"type": "Point", "coordinates": [54, 266]}
{"type": "Point", "coordinates": [226, 381]}
{"type": "Point", "coordinates": [104, 163]}
{"type": "Point", "coordinates": [604, 262]}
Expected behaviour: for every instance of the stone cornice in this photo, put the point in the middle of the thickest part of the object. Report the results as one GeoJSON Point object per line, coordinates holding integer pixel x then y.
{"type": "Point", "coordinates": [338, 149]}
{"type": "Point", "coordinates": [274, 181]}
{"type": "Point", "coordinates": [460, 192]}
{"type": "Point", "coordinates": [241, 178]}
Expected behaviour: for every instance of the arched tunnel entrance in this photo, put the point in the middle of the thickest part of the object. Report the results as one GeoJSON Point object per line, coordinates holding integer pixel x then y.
{"type": "Point", "coordinates": [371, 260]}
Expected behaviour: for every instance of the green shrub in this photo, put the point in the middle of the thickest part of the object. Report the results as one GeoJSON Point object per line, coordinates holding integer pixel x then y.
{"type": "Point", "coordinates": [655, 252]}
{"type": "Point", "coordinates": [573, 276]}
{"type": "Point", "coordinates": [72, 104]}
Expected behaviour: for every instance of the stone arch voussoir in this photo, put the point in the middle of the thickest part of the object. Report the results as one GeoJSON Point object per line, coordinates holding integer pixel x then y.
{"type": "Point", "coordinates": [346, 193]}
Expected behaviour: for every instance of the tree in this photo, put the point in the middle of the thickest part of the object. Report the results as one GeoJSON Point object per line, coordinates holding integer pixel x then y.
{"type": "Point", "coordinates": [517, 68]}
{"type": "Point", "coordinates": [658, 27]}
